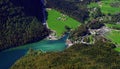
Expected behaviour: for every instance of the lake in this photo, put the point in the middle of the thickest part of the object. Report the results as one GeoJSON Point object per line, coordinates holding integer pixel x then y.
{"type": "Point", "coordinates": [9, 56]}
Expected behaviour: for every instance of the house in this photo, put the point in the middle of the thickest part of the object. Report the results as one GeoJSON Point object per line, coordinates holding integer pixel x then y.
{"type": "Point", "coordinates": [69, 43]}
{"type": "Point", "coordinates": [92, 31]}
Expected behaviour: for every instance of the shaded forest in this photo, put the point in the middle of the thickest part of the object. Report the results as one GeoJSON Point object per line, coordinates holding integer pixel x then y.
{"type": "Point", "coordinates": [17, 27]}
{"type": "Point", "coordinates": [31, 8]}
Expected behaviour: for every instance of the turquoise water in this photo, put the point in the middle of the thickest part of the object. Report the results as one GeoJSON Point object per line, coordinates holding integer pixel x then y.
{"type": "Point", "coordinates": [9, 56]}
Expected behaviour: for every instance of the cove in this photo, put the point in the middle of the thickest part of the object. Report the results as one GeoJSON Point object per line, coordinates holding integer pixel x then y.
{"type": "Point", "coordinates": [9, 56]}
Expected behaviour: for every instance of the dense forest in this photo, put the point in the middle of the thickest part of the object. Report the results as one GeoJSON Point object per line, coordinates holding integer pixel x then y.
{"type": "Point", "coordinates": [17, 27]}
{"type": "Point", "coordinates": [100, 55]}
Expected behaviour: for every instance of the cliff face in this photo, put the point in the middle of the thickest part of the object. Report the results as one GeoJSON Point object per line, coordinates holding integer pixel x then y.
{"type": "Point", "coordinates": [31, 8]}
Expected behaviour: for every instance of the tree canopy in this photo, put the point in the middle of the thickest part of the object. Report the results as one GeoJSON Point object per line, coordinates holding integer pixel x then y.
{"type": "Point", "coordinates": [17, 28]}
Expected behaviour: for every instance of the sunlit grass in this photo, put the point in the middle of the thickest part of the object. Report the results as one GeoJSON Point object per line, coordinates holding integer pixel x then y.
{"type": "Point", "coordinates": [57, 22]}
{"type": "Point", "coordinates": [113, 26]}
{"type": "Point", "coordinates": [106, 7]}
{"type": "Point", "coordinates": [117, 49]}
{"type": "Point", "coordinates": [114, 36]}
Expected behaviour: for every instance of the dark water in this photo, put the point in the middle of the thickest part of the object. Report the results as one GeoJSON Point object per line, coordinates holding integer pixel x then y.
{"type": "Point", "coordinates": [9, 56]}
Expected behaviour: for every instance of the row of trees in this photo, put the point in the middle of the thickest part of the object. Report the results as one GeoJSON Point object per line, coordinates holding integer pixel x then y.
{"type": "Point", "coordinates": [16, 28]}
{"type": "Point", "coordinates": [79, 32]}
{"type": "Point", "coordinates": [115, 4]}
{"type": "Point", "coordinates": [116, 17]}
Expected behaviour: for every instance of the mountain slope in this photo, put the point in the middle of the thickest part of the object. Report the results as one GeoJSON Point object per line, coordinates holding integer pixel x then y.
{"type": "Point", "coordinates": [80, 56]}
{"type": "Point", "coordinates": [17, 28]}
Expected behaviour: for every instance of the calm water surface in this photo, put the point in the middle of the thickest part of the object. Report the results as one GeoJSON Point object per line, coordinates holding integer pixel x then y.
{"type": "Point", "coordinates": [9, 56]}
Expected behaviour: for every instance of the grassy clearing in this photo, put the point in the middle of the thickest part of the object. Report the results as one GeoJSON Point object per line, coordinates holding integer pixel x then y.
{"type": "Point", "coordinates": [57, 22]}
{"type": "Point", "coordinates": [114, 36]}
{"type": "Point", "coordinates": [91, 39]}
{"type": "Point", "coordinates": [106, 7]}
{"type": "Point", "coordinates": [113, 26]}
{"type": "Point", "coordinates": [117, 49]}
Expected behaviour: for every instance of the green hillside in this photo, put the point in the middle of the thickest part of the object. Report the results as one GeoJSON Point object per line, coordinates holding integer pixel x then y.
{"type": "Point", "coordinates": [57, 22]}
{"type": "Point", "coordinates": [114, 36]}
{"type": "Point", "coordinates": [107, 6]}
{"type": "Point", "coordinates": [113, 26]}
{"type": "Point", "coordinates": [117, 49]}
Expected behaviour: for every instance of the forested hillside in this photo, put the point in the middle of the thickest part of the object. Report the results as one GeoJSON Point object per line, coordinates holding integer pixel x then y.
{"type": "Point", "coordinates": [76, 9]}
{"type": "Point", "coordinates": [80, 56]}
{"type": "Point", "coordinates": [17, 28]}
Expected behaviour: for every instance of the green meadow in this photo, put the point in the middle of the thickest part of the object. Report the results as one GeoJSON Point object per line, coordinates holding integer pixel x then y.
{"type": "Point", "coordinates": [106, 7]}
{"type": "Point", "coordinates": [114, 36]}
{"type": "Point", "coordinates": [113, 26]}
{"type": "Point", "coordinates": [57, 22]}
{"type": "Point", "coordinates": [117, 49]}
{"type": "Point", "coordinates": [91, 39]}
